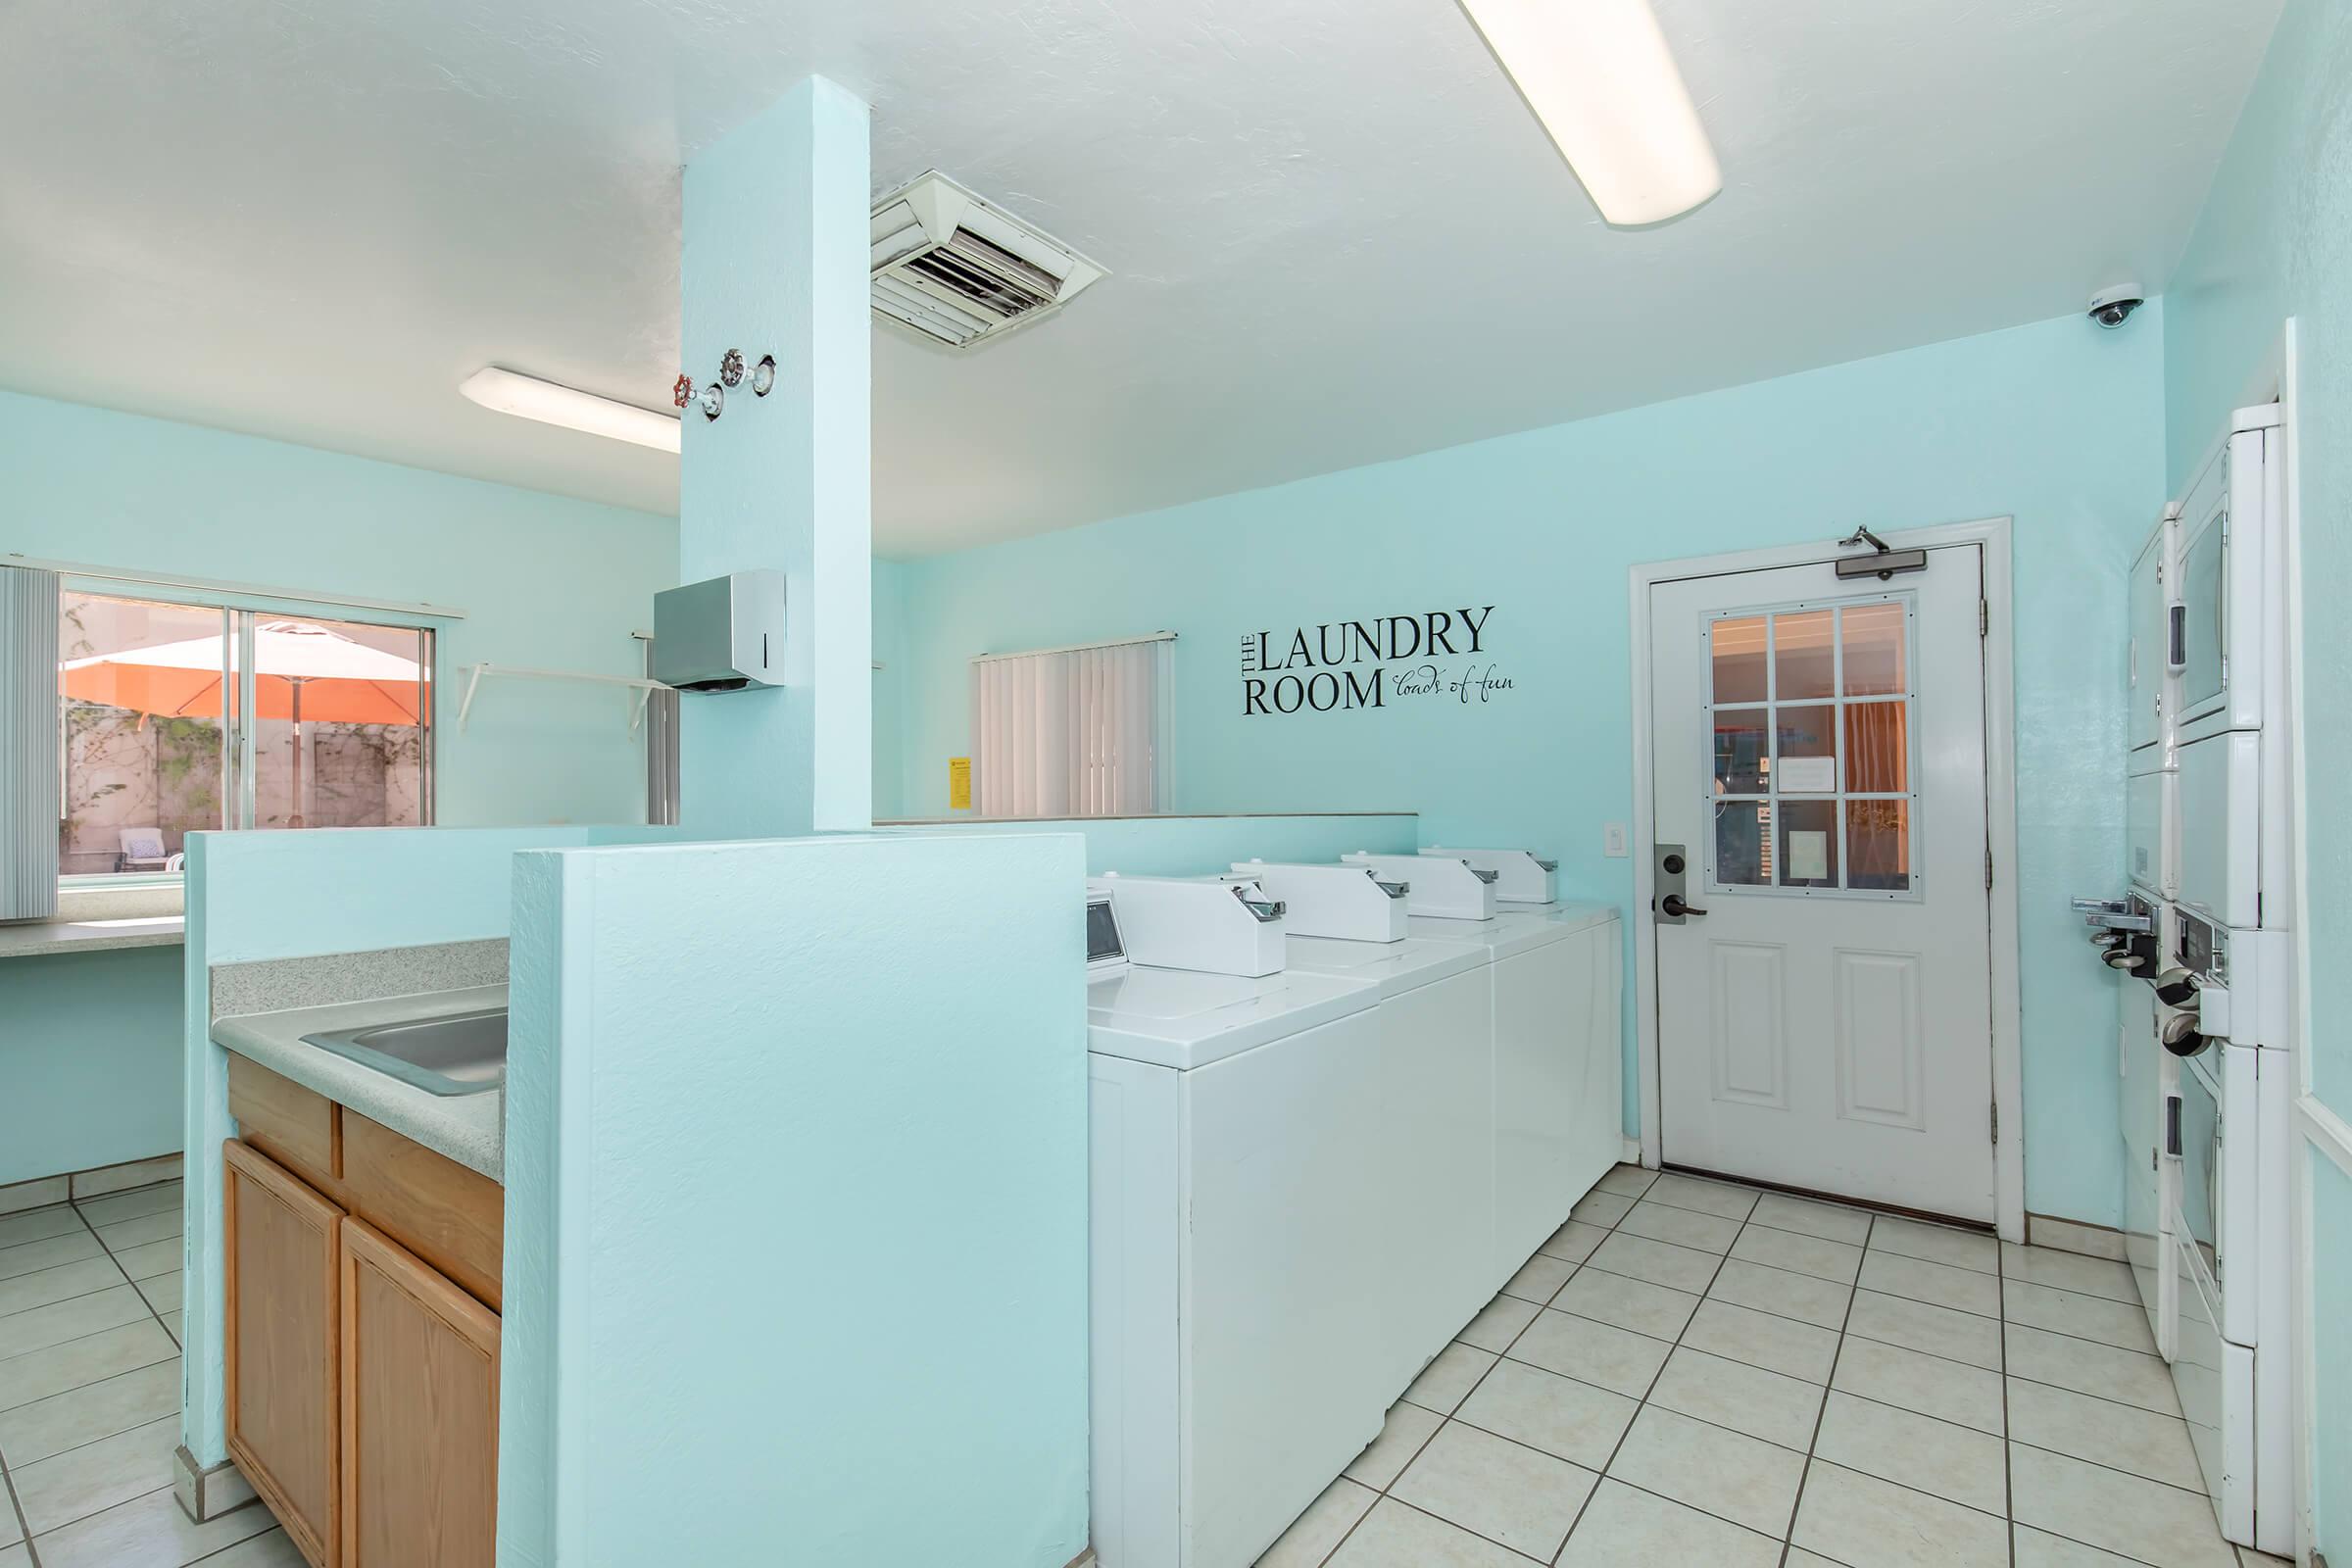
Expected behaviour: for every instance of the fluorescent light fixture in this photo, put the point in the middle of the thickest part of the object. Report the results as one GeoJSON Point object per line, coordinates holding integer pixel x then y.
{"type": "Point", "coordinates": [550, 403]}
{"type": "Point", "coordinates": [1599, 76]}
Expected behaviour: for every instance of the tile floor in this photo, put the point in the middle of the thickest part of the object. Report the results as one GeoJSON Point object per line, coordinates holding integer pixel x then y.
{"type": "Point", "coordinates": [89, 1394]}
{"type": "Point", "coordinates": [1693, 1372]}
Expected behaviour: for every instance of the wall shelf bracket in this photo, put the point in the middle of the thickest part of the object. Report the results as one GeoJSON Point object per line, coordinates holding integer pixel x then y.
{"type": "Point", "coordinates": [474, 673]}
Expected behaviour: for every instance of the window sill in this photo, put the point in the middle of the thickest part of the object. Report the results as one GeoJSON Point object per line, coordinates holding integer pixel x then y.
{"type": "Point", "coordinates": [121, 898]}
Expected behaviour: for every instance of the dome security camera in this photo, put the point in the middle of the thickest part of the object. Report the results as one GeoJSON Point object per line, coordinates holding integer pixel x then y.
{"type": "Point", "coordinates": [2111, 307]}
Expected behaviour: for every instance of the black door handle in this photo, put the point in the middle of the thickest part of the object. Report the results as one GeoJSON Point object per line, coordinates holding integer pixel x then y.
{"type": "Point", "coordinates": [1674, 906]}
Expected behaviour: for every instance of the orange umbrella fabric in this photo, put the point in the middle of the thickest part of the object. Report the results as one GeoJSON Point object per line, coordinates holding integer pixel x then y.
{"type": "Point", "coordinates": [304, 673]}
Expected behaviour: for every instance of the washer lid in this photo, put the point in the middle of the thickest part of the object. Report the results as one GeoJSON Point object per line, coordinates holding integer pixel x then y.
{"type": "Point", "coordinates": [1394, 967]}
{"type": "Point", "coordinates": [1179, 1019]}
{"type": "Point", "coordinates": [1518, 931]}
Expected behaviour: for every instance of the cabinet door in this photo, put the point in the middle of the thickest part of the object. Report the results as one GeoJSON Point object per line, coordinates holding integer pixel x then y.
{"type": "Point", "coordinates": [282, 1298]}
{"type": "Point", "coordinates": [420, 1412]}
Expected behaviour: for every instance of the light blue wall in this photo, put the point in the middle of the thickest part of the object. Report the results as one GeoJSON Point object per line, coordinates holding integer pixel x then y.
{"type": "Point", "coordinates": [2276, 240]}
{"type": "Point", "coordinates": [2056, 423]}
{"type": "Point", "coordinates": [783, 484]}
{"type": "Point", "coordinates": [1189, 846]}
{"type": "Point", "coordinates": [545, 581]}
{"type": "Point", "coordinates": [889, 651]}
{"type": "Point", "coordinates": [89, 1060]}
{"type": "Point", "coordinates": [796, 1250]}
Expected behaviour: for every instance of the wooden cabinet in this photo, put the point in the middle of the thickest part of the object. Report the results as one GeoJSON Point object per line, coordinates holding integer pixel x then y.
{"type": "Point", "coordinates": [452, 1217]}
{"type": "Point", "coordinates": [420, 1412]}
{"type": "Point", "coordinates": [284, 1335]}
{"type": "Point", "coordinates": [363, 1278]}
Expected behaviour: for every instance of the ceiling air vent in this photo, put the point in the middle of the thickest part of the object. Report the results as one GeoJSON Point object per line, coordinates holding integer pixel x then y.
{"type": "Point", "coordinates": [957, 270]}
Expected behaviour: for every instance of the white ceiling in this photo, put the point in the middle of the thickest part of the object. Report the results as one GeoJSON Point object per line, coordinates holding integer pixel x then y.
{"type": "Point", "coordinates": [1335, 234]}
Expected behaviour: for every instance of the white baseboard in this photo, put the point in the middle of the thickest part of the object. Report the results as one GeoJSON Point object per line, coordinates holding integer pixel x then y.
{"type": "Point", "coordinates": [2072, 1236]}
{"type": "Point", "coordinates": [1632, 1152]}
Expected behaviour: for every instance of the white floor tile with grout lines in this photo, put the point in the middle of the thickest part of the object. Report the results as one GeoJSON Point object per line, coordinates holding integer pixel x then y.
{"type": "Point", "coordinates": [1689, 1372]}
{"type": "Point", "coordinates": [89, 1394]}
{"type": "Point", "coordinates": [1695, 1372]}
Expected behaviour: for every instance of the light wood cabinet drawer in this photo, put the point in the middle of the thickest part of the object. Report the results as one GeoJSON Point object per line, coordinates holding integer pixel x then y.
{"type": "Point", "coordinates": [296, 1125]}
{"type": "Point", "coordinates": [450, 1216]}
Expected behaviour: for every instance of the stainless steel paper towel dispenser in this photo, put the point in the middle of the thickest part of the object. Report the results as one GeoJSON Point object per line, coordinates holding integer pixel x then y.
{"type": "Point", "coordinates": [722, 634]}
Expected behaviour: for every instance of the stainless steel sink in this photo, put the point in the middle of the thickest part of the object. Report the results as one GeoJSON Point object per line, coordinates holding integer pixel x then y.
{"type": "Point", "coordinates": [457, 1053]}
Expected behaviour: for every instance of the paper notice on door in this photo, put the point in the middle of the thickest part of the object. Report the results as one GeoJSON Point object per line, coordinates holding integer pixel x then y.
{"type": "Point", "coordinates": [1808, 775]}
{"type": "Point", "coordinates": [959, 783]}
{"type": "Point", "coordinates": [1808, 857]}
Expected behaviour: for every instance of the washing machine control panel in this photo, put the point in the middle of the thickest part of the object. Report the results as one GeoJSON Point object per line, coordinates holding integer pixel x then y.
{"type": "Point", "coordinates": [2203, 949]}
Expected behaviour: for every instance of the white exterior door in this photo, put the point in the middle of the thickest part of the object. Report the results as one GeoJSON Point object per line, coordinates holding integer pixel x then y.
{"type": "Point", "coordinates": [1818, 778]}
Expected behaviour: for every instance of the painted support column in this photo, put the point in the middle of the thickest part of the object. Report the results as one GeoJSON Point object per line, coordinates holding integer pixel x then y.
{"type": "Point", "coordinates": [775, 263]}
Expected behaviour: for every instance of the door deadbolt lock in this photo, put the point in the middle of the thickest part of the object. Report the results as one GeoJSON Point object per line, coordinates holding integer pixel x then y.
{"type": "Point", "coordinates": [1667, 905]}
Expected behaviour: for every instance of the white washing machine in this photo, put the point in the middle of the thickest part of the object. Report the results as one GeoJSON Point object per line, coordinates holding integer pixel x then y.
{"type": "Point", "coordinates": [2139, 943]}
{"type": "Point", "coordinates": [2148, 1075]}
{"type": "Point", "coordinates": [1444, 886]}
{"type": "Point", "coordinates": [2152, 822]}
{"type": "Point", "coordinates": [1522, 877]}
{"type": "Point", "coordinates": [2230, 594]}
{"type": "Point", "coordinates": [1558, 1071]}
{"type": "Point", "coordinates": [1435, 1185]}
{"type": "Point", "coordinates": [2233, 1134]}
{"type": "Point", "coordinates": [1234, 1275]}
{"type": "Point", "coordinates": [2155, 657]}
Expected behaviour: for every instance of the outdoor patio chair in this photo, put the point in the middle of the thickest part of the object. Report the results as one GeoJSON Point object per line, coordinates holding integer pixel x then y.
{"type": "Point", "coordinates": [142, 850]}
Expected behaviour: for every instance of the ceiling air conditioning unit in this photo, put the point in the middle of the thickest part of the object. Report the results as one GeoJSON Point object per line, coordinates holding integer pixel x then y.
{"type": "Point", "coordinates": [960, 270]}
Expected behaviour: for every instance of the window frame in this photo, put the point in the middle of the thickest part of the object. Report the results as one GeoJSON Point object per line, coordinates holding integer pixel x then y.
{"type": "Point", "coordinates": [240, 612]}
{"type": "Point", "coordinates": [1839, 701]}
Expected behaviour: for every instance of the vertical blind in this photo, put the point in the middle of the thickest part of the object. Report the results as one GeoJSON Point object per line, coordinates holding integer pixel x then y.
{"type": "Point", "coordinates": [1071, 731]}
{"type": "Point", "coordinates": [29, 795]}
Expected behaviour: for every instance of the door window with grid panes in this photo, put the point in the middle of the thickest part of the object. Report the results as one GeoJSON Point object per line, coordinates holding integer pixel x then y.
{"type": "Point", "coordinates": [1815, 774]}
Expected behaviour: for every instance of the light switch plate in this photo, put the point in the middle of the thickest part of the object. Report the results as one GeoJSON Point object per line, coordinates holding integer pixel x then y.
{"type": "Point", "coordinates": [1612, 841]}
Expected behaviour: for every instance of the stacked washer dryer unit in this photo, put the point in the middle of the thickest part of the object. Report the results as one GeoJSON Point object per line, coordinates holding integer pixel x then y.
{"type": "Point", "coordinates": [1234, 1271]}
{"type": "Point", "coordinates": [2232, 962]}
{"type": "Point", "coordinates": [2137, 931]}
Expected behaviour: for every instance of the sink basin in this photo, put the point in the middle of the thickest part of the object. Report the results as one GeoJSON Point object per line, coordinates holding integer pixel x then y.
{"type": "Point", "coordinates": [456, 1054]}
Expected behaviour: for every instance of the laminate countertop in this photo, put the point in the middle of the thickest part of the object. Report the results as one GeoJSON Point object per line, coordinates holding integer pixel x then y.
{"type": "Point", "coordinates": [34, 939]}
{"type": "Point", "coordinates": [471, 1129]}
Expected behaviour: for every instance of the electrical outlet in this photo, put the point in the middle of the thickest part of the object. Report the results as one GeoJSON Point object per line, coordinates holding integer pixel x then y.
{"type": "Point", "coordinates": [1612, 841]}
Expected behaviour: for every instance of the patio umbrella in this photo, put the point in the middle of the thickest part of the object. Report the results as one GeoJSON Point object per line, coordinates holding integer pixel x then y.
{"type": "Point", "coordinates": [301, 671]}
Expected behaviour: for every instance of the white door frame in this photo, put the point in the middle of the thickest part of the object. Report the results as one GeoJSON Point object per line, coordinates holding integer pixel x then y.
{"type": "Point", "coordinates": [2001, 805]}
